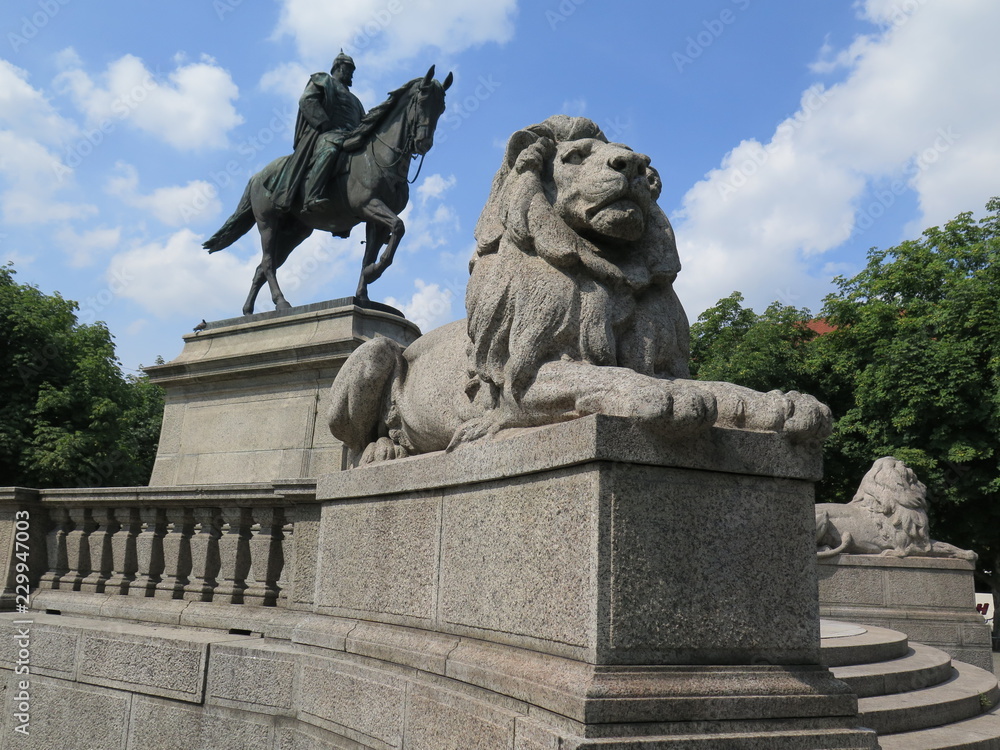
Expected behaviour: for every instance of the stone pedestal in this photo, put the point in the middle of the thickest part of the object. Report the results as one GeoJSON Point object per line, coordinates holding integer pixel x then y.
{"type": "Point", "coordinates": [931, 599]}
{"type": "Point", "coordinates": [246, 398]}
{"type": "Point", "coordinates": [633, 591]}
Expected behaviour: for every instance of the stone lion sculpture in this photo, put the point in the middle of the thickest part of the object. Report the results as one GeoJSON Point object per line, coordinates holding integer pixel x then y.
{"type": "Point", "coordinates": [571, 312]}
{"type": "Point", "coordinates": [887, 516]}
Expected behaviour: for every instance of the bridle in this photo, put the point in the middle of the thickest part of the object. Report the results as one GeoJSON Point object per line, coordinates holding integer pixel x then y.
{"type": "Point", "coordinates": [409, 147]}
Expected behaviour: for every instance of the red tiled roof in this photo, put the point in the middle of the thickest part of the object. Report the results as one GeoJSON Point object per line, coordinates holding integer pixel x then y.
{"type": "Point", "coordinates": [820, 326]}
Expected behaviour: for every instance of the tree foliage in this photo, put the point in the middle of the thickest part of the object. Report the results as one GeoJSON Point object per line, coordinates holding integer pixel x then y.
{"type": "Point", "coordinates": [733, 343]}
{"type": "Point", "coordinates": [911, 369]}
{"type": "Point", "coordinates": [68, 416]}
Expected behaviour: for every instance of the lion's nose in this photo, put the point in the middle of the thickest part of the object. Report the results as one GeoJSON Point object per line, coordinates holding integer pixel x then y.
{"type": "Point", "coordinates": [628, 163]}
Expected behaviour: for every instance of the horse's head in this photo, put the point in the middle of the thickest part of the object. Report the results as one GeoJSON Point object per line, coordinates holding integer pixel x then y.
{"type": "Point", "coordinates": [425, 107]}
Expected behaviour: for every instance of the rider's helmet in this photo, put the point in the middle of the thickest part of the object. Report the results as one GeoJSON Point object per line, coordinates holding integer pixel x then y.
{"type": "Point", "coordinates": [343, 59]}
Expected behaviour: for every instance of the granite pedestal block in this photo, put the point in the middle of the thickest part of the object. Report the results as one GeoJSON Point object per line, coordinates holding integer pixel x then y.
{"type": "Point", "coordinates": [246, 397]}
{"type": "Point", "coordinates": [931, 599]}
{"type": "Point", "coordinates": [606, 574]}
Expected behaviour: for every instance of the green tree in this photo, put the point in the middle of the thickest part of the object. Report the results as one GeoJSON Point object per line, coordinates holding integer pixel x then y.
{"type": "Point", "coordinates": [913, 371]}
{"type": "Point", "coordinates": [68, 416]}
{"type": "Point", "coordinates": [732, 343]}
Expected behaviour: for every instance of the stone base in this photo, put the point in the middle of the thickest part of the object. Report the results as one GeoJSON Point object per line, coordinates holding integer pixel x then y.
{"type": "Point", "coordinates": [335, 683]}
{"type": "Point", "coordinates": [931, 599]}
{"type": "Point", "coordinates": [246, 398]}
{"type": "Point", "coordinates": [588, 585]}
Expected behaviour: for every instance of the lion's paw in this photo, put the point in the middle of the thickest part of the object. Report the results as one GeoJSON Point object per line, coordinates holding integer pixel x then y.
{"type": "Point", "coordinates": [691, 409]}
{"type": "Point", "coordinates": [474, 429]}
{"type": "Point", "coordinates": [798, 415]}
{"type": "Point", "coordinates": [382, 449]}
{"type": "Point", "coordinates": [806, 417]}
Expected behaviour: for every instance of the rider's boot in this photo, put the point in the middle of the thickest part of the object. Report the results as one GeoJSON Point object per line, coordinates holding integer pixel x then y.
{"type": "Point", "coordinates": [319, 175]}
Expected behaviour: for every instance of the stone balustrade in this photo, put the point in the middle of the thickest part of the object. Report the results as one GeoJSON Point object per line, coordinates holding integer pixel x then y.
{"type": "Point", "coordinates": [230, 544]}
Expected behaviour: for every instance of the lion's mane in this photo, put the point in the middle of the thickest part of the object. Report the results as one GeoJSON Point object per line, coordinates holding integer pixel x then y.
{"type": "Point", "coordinates": [897, 500]}
{"type": "Point", "coordinates": [540, 292]}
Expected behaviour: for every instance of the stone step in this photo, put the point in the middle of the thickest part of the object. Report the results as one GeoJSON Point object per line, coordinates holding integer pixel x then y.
{"type": "Point", "coordinates": [874, 645]}
{"type": "Point", "coordinates": [978, 733]}
{"type": "Point", "coordinates": [967, 693]}
{"type": "Point", "coordinates": [810, 739]}
{"type": "Point", "coordinates": [922, 667]}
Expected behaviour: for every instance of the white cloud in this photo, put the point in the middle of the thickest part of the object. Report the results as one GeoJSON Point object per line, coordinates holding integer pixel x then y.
{"type": "Point", "coordinates": [429, 307]}
{"type": "Point", "coordinates": [67, 59]}
{"type": "Point", "coordinates": [178, 276]}
{"type": "Point", "coordinates": [174, 205]}
{"type": "Point", "coordinates": [912, 112]}
{"type": "Point", "coordinates": [85, 247]}
{"type": "Point", "coordinates": [434, 186]}
{"type": "Point", "coordinates": [429, 222]}
{"type": "Point", "coordinates": [574, 107]}
{"type": "Point", "coordinates": [25, 111]}
{"type": "Point", "coordinates": [192, 109]}
{"type": "Point", "coordinates": [34, 175]}
{"type": "Point", "coordinates": [287, 80]}
{"type": "Point", "coordinates": [380, 34]}
{"type": "Point", "coordinates": [20, 260]}
{"type": "Point", "coordinates": [318, 268]}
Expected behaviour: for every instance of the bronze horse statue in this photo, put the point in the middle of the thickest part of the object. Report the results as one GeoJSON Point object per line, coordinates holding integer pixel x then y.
{"type": "Point", "coordinates": [370, 185]}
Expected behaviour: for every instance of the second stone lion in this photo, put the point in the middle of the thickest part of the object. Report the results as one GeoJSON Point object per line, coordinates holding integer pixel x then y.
{"type": "Point", "coordinates": [571, 311]}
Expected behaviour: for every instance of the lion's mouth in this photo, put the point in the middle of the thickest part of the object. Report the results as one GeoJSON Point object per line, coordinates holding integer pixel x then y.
{"type": "Point", "coordinates": [620, 217]}
{"type": "Point", "coordinates": [623, 205]}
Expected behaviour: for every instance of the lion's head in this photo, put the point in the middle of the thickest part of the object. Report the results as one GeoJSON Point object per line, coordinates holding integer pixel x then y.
{"type": "Point", "coordinates": [892, 492]}
{"type": "Point", "coordinates": [574, 260]}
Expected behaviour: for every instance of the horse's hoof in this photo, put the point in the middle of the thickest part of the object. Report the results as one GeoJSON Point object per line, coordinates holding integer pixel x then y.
{"type": "Point", "coordinates": [248, 310]}
{"type": "Point", "coordinates": [282, 305]}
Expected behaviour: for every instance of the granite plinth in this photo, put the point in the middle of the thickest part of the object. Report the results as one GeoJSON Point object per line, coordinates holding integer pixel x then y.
{"type": "Point", "coordinates": [590, 539]}
{"type": "Point", "coordinates": [244, 398]}
{"type": "Point", "coordinates": [931, 599]}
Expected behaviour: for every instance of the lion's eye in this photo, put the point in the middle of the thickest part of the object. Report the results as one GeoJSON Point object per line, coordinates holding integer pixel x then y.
{"type": "Point", "coordinates": [573, 157]}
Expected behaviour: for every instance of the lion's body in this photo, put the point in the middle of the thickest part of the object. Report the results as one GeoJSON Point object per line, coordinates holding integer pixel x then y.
{"type": "Point", "coordinates": [887, 516]}
{"type": "Point", "coordinates": [571, 312]}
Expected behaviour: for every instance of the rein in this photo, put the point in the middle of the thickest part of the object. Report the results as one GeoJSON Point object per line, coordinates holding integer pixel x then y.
{"type": "Point", "coordinates": [400, 152]}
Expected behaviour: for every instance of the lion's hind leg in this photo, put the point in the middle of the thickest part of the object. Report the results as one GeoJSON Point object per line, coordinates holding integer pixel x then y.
{"type": "Point", "coordinates": [829, 541]}
{"type": "Point", "coordinates": [361, 401]}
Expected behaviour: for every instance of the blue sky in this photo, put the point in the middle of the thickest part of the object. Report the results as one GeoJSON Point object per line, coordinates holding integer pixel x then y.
{"type": "Point", "coordinates": [791, 136]}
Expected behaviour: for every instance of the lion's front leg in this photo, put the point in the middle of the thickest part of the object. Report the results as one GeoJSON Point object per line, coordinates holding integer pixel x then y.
{"type": "Point", "coordinates": [568, 389]}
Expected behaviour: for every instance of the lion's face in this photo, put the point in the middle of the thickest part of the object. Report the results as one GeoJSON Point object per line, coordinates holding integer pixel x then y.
{"type": "Point", "coordinates": [601, 190]}
{"type": "Point", "coordinates": [890, 482]}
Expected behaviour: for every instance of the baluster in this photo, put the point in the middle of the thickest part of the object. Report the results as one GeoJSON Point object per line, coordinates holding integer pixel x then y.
{"type": "Point", "coordinates": [176, 553]}
{"type": "Point", "coordinates": [56, 546]}
{"type": "Point", "coordinates": [204, 555]}
{"type": "Point", "coordinates": [78, 547]}
{"type": "Point", "coordinates": [287, 570]}
{"type": "Point", "coordinates": [149, 552]}
{"type": "Point", "coordinates": [123, 553]}
{"type": "Point", "coordinates": [266, 559]}
{"type": "Point", "coordinates": [101, 562]}
{"type": "Point", "coordinates": [234, 555]}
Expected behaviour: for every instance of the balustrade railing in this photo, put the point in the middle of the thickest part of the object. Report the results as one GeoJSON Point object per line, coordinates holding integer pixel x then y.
{"type": "Point", "coordinates": [231, 544]}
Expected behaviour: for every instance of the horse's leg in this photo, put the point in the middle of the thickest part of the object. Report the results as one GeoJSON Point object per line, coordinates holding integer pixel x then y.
{"type": "Point", "coordinates": [375, 211]}
{"type": "Point", "coordinates": [258, 281]}
{"type": "Point", "coordinates": [281, 240]}
{"type": "Point", "coordinates": [375, 237]}
{"type": "Point", "coordinates": [270, 240]}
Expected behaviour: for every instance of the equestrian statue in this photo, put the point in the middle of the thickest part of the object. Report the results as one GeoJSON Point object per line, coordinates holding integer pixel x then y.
{"type": "Point", "coordinates": [348, 167]}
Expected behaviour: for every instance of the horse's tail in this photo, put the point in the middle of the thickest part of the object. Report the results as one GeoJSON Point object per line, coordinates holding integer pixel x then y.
{"type": "Point", "coordinates": [236, 225]}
